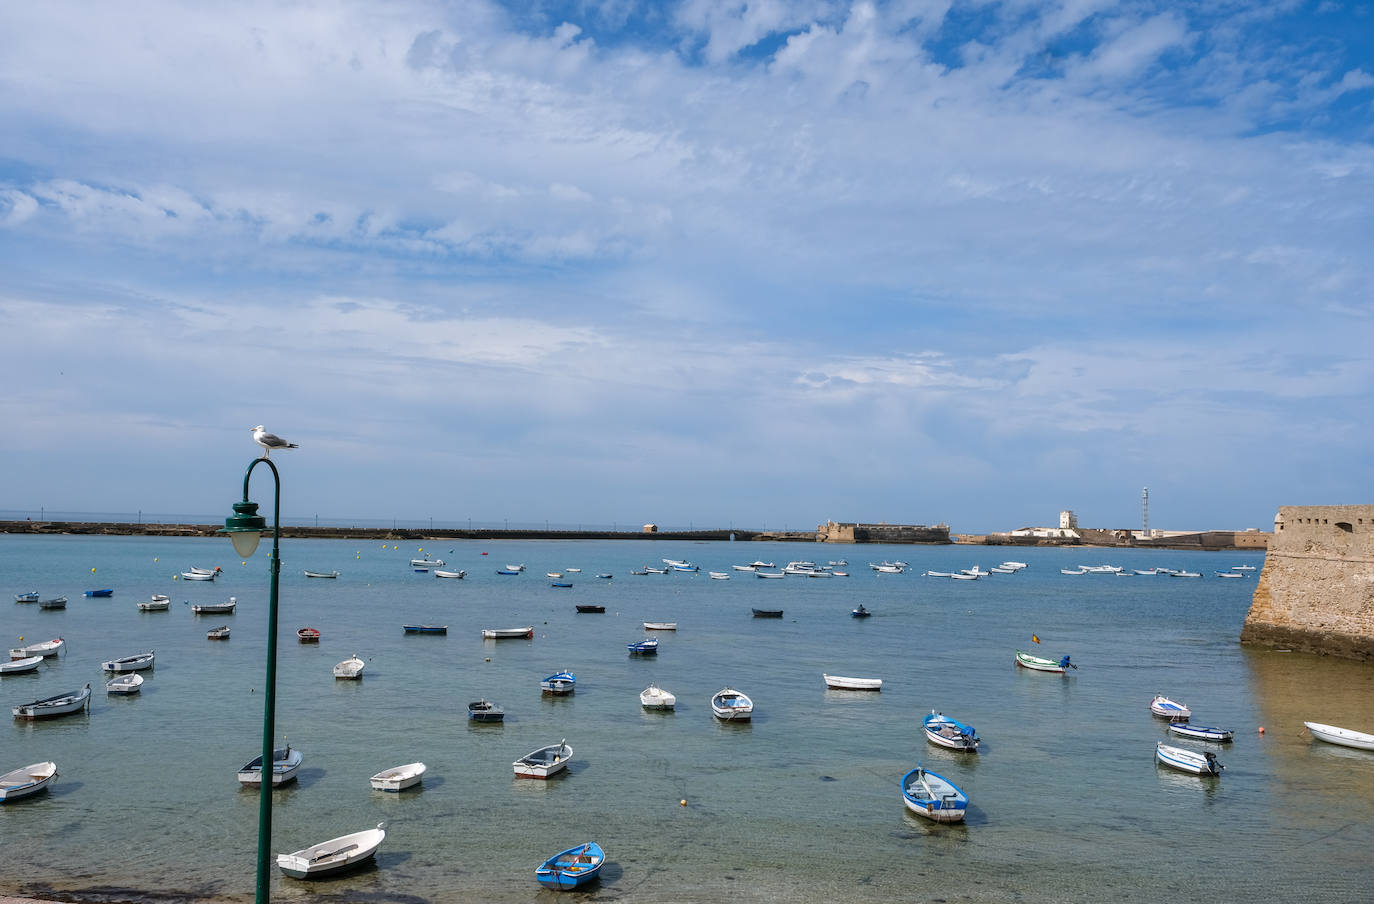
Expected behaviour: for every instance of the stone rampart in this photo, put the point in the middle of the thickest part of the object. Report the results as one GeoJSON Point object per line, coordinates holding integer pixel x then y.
{"type": "Point", "coordinates": [1316, 591]}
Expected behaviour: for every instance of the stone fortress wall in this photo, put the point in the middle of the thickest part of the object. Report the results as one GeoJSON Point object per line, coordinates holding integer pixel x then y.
{"type": "Point", "coordinates": [1316, 591]}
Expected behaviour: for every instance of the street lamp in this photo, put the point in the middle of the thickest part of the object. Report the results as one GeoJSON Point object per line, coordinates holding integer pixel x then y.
{"type": "Point", "coordinates": [245, 529]}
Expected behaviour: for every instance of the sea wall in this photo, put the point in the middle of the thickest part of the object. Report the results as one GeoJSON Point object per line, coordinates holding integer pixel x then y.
{"type": "Point", "coordinates": [856, 532]}
{"type": "Point", "coordinates": [1316, 591]}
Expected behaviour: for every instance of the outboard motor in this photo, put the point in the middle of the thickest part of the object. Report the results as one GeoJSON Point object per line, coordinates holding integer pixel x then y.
{"type": "Point", "coordinates": [1212, 765]}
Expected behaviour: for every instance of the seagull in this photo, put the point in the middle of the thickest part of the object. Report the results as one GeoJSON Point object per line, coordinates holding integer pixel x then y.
{"type": "Point", "coordinates": [270, 441]}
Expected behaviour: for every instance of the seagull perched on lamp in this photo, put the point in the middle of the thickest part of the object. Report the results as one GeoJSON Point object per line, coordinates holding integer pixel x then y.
{"type": "Point", "coordinates": [270, 441]}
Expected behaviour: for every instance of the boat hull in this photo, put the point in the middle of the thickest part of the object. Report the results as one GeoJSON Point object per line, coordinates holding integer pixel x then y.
{"type": "Point", "coordinates": [943, 731]}
{"type": "Point", "coordinates": [26, 781]}
{"type": "Point", "coordinates": [59, 705]}
{"type": "Point", "coordinates": [398, 778]}
{"type": "Point", "coordinates": [933, 796]}
{"type": "Point", "coordinates": [125, 684]}
{"type": "Point", "coordinates": [1344, 737]}
{"type": "Point", "coordinates": [19, 666]}
{"type": "Point", "coordinates": [505, 633]}
{"type": "Point", "coordinates": [1038, 664]}
{"type": "Point", "coordinates": [337, 855]}
{"type": "Point", "coordinates": [1187, 760]}
{"type": "Point", "coordinates": [840, 682]}
{"type": "Point", "coordinates": [286, 762]}
{"type": "Point", "coordinates": [129, 663]}
{"type": "Point", "coordinates": [573, 868]}
{"type": "Point", "coordinates": [544, 762]}
{"type": "Point", "coordinates": [730, 705]}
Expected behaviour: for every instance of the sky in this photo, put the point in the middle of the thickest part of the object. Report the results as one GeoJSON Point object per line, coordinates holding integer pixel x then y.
{"type": "Point", "coordinates": [707, 263]}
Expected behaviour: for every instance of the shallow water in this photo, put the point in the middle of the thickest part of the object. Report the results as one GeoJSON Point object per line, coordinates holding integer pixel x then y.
{"type": "Point", "coordinates": [1066, 802]}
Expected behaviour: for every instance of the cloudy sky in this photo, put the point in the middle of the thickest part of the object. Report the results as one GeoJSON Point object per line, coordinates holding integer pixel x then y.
{"type": "Point", "coordinates": [710, 262]}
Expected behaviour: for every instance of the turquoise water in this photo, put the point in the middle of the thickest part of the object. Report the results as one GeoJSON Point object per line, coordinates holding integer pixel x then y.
{"type": "Point", "coordinates": [803, 804]}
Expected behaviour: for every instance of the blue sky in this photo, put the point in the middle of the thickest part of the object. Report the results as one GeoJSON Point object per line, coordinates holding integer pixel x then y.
{"type": "Point", "coordinates": [703, 262]}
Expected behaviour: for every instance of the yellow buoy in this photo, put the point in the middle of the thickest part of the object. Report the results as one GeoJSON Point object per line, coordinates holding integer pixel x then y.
{"type": "Point", "coordinates": [92, 571]}
{"type": "Point", "coordinates": [682, 803]}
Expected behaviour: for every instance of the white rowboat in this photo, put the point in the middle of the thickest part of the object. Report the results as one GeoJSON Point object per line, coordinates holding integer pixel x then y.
{"type": "Point", "coordinates": [544, 762]}
{"type": "Point", "coordinates": [498, 633]}
{"type": "Point", "coordinates": [57, 705]}
{"type": "Point", "coordinates": [130, 683]}
{"type": "Point", "coordinates": [654, 697]}
{"type": "Point", "coordinates": [398, 778]}
{"type": "Point", "coordinates": [332, 856]}
{"type": "Point", "coordinates": [44, 649]}
{"type": "Point", "coordinates": [26, 780]}
{"type": "Point", "coordinates": [286, 762]}
{"type": "Point", "coordinates": [1342, 736]}
{"type": "Point", "coordinates": [730, 705]}
{"type": "Point", "coordinates": [660, 626]}
{"type": "Point", "coordinates": [1187, 760]}
{"type": "Point", "coordinates": [351, 667]}
{"type": "Point", "coordinates": [129, 663]}
{"type": "Point", "coordinates": [853, 684]}
{"type": "Point", "coordinates": [16, 666]}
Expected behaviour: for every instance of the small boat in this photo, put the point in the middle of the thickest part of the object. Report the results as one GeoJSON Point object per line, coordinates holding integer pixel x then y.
{"type": "Point", "coordinates": [56, 705]}
{"type": "Point", "coordinates": [572, 868]}
{"type": "Point", "coordinates": [605, 576]}
{"type": "Point", "coordinates": [933, 796]}
{"type": "Point", "coordinates": [757, 565]}
{"type": "Point", "coordinates": [515, 568]}
{"type": "Point", "coordinates": [19, 666]}
{"type": "Point", "coordinates": [1201, 732]}
{"type": "Point", "coordinates": [450, 574]}
{"type": "Point", "coordinates": [1169, 709]}
{"type": "Point", "coordinates": [645, 647]}
{"type": "Point", "coordinates": [204, 571]}
{"type": "Point", "coordinates": [938, 574]}
{"type": "Point", "coordinates": [1204, 763]}
{"type": "Point", "coordinates": [950, 732]}
{"type": "Point", "coordinates": [499, 633]}
{"type": "Point", "coordinates": [730, 705]}
{"type": "Point", "coordinates": [308, 635]}
{"type": "Point", "coordinates": [770, 574]}
{"type": "Point", "coordinates": [553, 574]}
{"type": "Point", "coordinates": [718, 575]}
{"type": "Point", "coordinates": [216, 608]}
{"type": "Point", "coordinates": [998, 569]}
{"type": "Point", "coordinates": [1074, 571]}
{"type": "Point", "coordinates": [860, 612]}
{"type": "Point", "coordinates": [897, 569]}
{"type": "Point", "coordinates": [158, 603]}
{"type": "Point", "coordinates": [820, 574]}
{"type": "Point", "coordinates": [559, 683]}
{"type": "Point", "coordinates": [743, 567]}
{"type": "Point", "coordinates": [30, 597]}
{"type": "Point", "coordinates": [321, 574]}
{"type": "Point", "coordinates": [26, 780]}
{"type": "Point", "coordinates": [591, 609]}
{"type": "Point", "coordinates": [1146, 572]}
{"type": "Point", "coordinates": [427, 563]}
{"type": "Point", "coordinates": [1242, 568]}
{"type": "Point", "coordinates": [333, 856]}
{"type": "Point", "coordinates": [398, 778]}
{"type": "Point", "coordinates": [1345, 737]}
{"type": "Point", "coordinates": [195, 575]}
{"type": "Point", "coordinates": [660, 626]}
{"type": "Point", "coordinates": [1186, 574]}
{"type": "Point", "coordinates": [960, 576]}
{"type": "Point", "coordinates": [544, 762]}
{"type": "Point", "coordinates": [638, 573]}
{"type": "Point", "coordinates": [131, 683]}
{"type": "Point", "coordinates": [286, 762]}
{"type": "Point", "coordinates": [485, 711]}
{"type": "Point", "coordinates": [573, 570]}
{"type": "Point", "coordinates": [842, 683]}
{"type": "Point", "coordinates": [44, 649]}
{"type": "Point", "coordinates": [350, 668]}
{"type": "Point", "coordinates": [1015, 566]}
{"type": "Point", "coordinates": [1229, 574]}
{"type": "Point", "coordinates": [425, 629]}
{"type": "Point", "coordinates": [57, 602]}
{"type": "Point", "coordinates": [1040, 664]}
{"type": "Point", "coordinates": [506, 571]}
{"type": "Point", "coordinates": [218, 633]}
{"type": "Point", "coordinates": [840, 574]}
{"type": "Point", "coordinates": [767, 613]}
{"type": "Point", "coordinates": [560, 584]}
{"type": "Point", "coordinates": [655, 697]}
{"type": "Point", "coordinates": [648, 570]}
{"type": "Point", "coordinates": [135, 663]}
{"type": "Point", "coordinates": [422, 571]}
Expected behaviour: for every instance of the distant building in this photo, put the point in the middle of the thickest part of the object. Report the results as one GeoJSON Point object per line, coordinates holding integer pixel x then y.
{"type": "Point", "coordinates": [651, 528]}
{"type": "Point", "coordinates": [1068, 520]}
{"type": "Point", "coordinates": [1047, 533]}
{"type": "Point", "coordinates": [855, 532]}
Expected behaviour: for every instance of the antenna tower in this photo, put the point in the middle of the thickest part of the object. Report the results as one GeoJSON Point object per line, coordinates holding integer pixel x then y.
{"type": "Point", "coordinates": [1145, 512]}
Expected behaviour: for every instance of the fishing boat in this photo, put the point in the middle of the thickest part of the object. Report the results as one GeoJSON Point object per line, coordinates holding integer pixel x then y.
{"type": "Point", "coordinates": [136, 663]}
{"type": "Point", "coordinates": [646, 647]}
{"type": "Point", "coordinates": [308, 635]}
{"type": "Point", "coordinates": [1201, 732]}
{"type": "Point", "coordinates": [1040, 664]}
{"type": "Point", "coordinates": [44, 649]}
{"type": "Point", "coordinates": [1204, 763]}
{"type": "Point", "coordinates": [57, 602]}
{"type": "Point", "coordinates": [719, 575]}
{"type": "Point", "coordinates": [651, 570]}
{"type": "Point", "coordinates": [572, 868]}
{"type": "Point", "coordinates": [1073, 571]}
{"type": "Point", "coordinates": [485, 711]}
{"type": "Point", "coordinates": [937, 574]}
{"type": "Point", "coordinates": [769, 574]}
{"type": "Point", "coordinates": [427, 563]}
{"type": "Point", "coordinates": [26, 780]}
{"type": "Point", "coordinates": [30, 597]}
{"type": "Point", "coordinates": [56, 705]}
{"type": "Point", "coordinates": [573, 570]}
{"type": "Point", "coordinates": [660, 626]}
{"type": "Point", "coordinates": [398, 778]}
{"type": "Point", "coordinates": [286, 762]}
{"type": "Point", "coordinates": [544, 762]}
{"type": "Point", "coordinates": [194, 575]}
{"type": "Point", "coordinates": [1186, 574]}
{"type": "Point", "coordinates": [897, 569]}
{"type": "Point", "coordinates": [516, 568]}
{"type": "Point", "coordinates": [204, 571]}
{"type": "Point", "coordinates": [767, 613]}
{"type": "Point", "coordinates": [560, 584]}
{"type": "Point", "coordinates": [351, 668]}
{"type": "Point", "coordinates": [458, 575]}
{"type": "Point", "coordinates": [159, 602]}
{"type": "Point", "coordinates": [499, 633]}
{"type": "Point", "coordinates": [1169, 709]}
{"type": "Point", "coordinates": [559, 683]}
{"type": "Point", "coordinates": [605, 575]}
{"type": "Point", "coordinates": [640, 573]}
{"type": "Point", "coordinates": [1345, 737]}
{"type": "Point", "coordinates": [425, 629]}
{"type": "Point", "coordinates": [20, 666]}
{"type": "Point", "coordinates": [553, 574]}
{"type": "Point", "coordinates": [860, 612]}
{"type": "Point", "coordinates": [655, 697]}
{"type": "Point", "coordinates": [843, 683]}
{"type": "Point", "coordinates": [130, 683]}
{"type": "Point", "coordinates": [1229, 574]}
{"type": "Point", "coordinates": [331, 857]}
{"type": "Point", "coordinates": [591, 609]}
{"type": "Point", "coordinates": [321, 574]}
{"type": "Point", "coordinates": [226, 608]}
{"type": "Point", "coordinates": [219, 632]}
{"type": "Point", "coordinates": [960, 576]}
{"type": "Point", "coordinates": [730, 705]}
{"type": "Point", "coordinates": [947, 731]}
{"type": "Point", "coordinates": [506, 571]}
{"type": "Point", "coordinates": [933, 796]}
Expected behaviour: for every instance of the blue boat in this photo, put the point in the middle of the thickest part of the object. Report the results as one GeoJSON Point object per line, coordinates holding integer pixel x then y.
{"type": "Point", "coordinates": [950, 732]}
{"type": "Point", "coordinates": [645, 647]}
{"type": "Point", "coordinates": [560, 583]}
{"type": "Point", "coordinates": [572, 868]}
{"type": "Point", "coordinates": [506, 571]}
{"type": "Point", "coordinates": [559, 683]}
{"type": "Point", "coordinates": [933, 796]}
{"type": "Point", "coordinates": [605, 576]}
{"type": "Point", "coordinates": [860, 612]}
{"type": "Point", "coordinates": [106, 592]}
{"type": "Point", "coordinates": [425, 629]}
{"type": "Point", "coordinates": [1202, 732]}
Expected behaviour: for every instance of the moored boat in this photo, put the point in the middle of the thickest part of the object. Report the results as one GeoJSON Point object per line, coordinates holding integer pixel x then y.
{"type": "Point", "coordinates": [333, 856]}
{"type": "Point", "coordinates": [1201, 732]}
{"type": "Point", "coordinates": [19, 666]}
{"type": "Point", "coordinates": [559, 683]}
{"type": "Point", "coordinates": [660, 626]}
{"type": "Point", "coordinates": [1040, 664]}
{"type": "Point", "coordinates": [1345, 737]}
{"type": "Point", "coordinates": [591, 609]}
{"type": "Point", "coordinates": [767, 613]}
{"type": "Point", "coordinates": [226, 608]}
{"type": "Point", "coordinates": [351, 668]}
{"type": "Point", "coordinates": [219, 632]}
{"type": "Point", "coordinates": [718, 575]}
{"type": "Point", "coordinates": [572, 868]}
{"type": "Point", "coordinates": [655, 697]}
{"type": "Point", "coordinates": [398, 778]}
{"type": "Point", "coordinates": [933, 796]}
{"type": "Point", "coordinates": [56, 705]}
{"type": "Point", "coordinates": [425, 629]}
{"type": "Point", "coordinates": [29, 597]}
{"type": "Point", "coordinates": [427, 563]}
{"type": "Point", "coordinates": [159, 602]}
{"type": "Point", "coordinates": [1204, 763]}
{"type": "Point", "coordinates": [646, 647]}
{"type": "Point", "coordinates": [321, 574]}
{"type": "Point", "coordinates": [134, 663]}
{"type": "Point", "coordinates": [198, 575]}
{"type": "Point", "coordinates": [485, 711]}
{"type": "Point", "coordinates": [730, 705]}
{"type": "Point", "coordinates": [860, 612]}
{"type": "Point", "coordinates": [44, 649]}
{"type": "Point", "coordinates": [843, 683]}
{"type": "Point", "coordinates": [129, 683]}
{"type": "Point", "coordinates": [544, 762]}
{"type": "Point", "coordinates": [769, 574]}
{"type": "Point", "coordinates": [308, 635]}
{"type": "Point", "coordinates": [506, 571]}
{"type": "Point", "coordinates": [458, 575]}
{"type": "Point", "coordinates": [560, 584]}
{"type": "Point", "coordinates": [286, 762]}
{"type": "Point", "coordinates": [499, 633]}
{"type": "Point", "coordinates": [57, 602]}
{"type": "Point", "coordinates": [1165, 708]}
{"type": "Point", "coordinates": [26, 780]}
{"type": "Point", "coordinates": [947, 731]}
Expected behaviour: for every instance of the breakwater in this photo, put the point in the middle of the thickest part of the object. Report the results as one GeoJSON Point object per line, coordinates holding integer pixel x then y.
{"type": "Point", "coordinates": [124, 528]}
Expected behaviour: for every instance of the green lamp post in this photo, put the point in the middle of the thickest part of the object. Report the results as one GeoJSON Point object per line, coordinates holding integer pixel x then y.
{"type": "Point", "coordinates": [245, 529]}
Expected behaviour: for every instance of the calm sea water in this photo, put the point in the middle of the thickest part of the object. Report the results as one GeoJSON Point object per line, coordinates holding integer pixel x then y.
{"type": "Point", "coordinates": [803, 804]}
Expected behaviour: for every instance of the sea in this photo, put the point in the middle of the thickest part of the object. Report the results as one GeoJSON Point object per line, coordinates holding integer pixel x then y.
{"type": "Point", "coordinates": [802, 804]}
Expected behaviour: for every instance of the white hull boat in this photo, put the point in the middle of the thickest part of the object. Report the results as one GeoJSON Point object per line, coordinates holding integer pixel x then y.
{"type": "Point", "coordinates": [197, 576]}
{"type": "Point", "coordinates": [19, 666]}
{"type": "Point", "coordinates": [450, 574]}
{"type": "Point", "coordinates": [654, 697]}
{"type": "Point", "coordinates": [398, 778]}
{"type": "Point", "coordinates": [44, 649]}
{"type": "Point", "coordinates": [286, 762]}
{"type": "Point", "coordinates": [1040, 664]}
{"type": "Point", "coordinates": [1201, 732]}
{"type": "Point", "coordinates": [499, 633]}
{"type": "Point", "coordinates": [1188, 760]}
{"type": "Point", "coordinates": [933, 797]}
{"type": "Point", "coordinates": [321, 574]}
{"type": "Point", "coordinates": [949, 732]}
{"type": "Point", "coordinates": [840, 682]}
{"type": "Point", "coordinates": [351, 667]}
{"type": "Point", "coordinates": [718, 575]}
{"type": "Point", "coordinates": [57, 705]}
{"type": "Point", "coordinates": [216, 608]}
{"type": "Point", "coordinates": [769, 574]}
{"type": "Point", "coordinates": [544, 762]}
{"type": "Point", "coordinates": [427, 563]}
{"type": "Point", "coordinates": [660, 626]}
{"type": "Point", "coordinates": [129, 663]}
{"type": "Point", "coordinates": [158, 603]}
{"type": "Point", "coordinates": [27, 780]}
{"type": "Point", "coordinates": [333, 856]}
{"type": "Point", "coordinates": [730, 705]}
{"type": "Point", "coordinates": [1165, 708]}
{"type": "Point", "coordinates": [131, 683]}
{"type": "Point", "coordinates": [1342, 736]}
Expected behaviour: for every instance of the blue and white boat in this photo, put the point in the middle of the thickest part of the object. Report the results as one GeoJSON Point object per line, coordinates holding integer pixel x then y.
{"type": "Point", "coordinates": [1201, 732]}
{"type": "Point", "coordinates": [860, 612]}
{"type": "Point", "coordinates": [933, 796]}
{"type": "Point", "coordinates": [30, 597]}
{"type": "Point", "coordinates": [572, 868]}
{"type": "Point", "coordinates": [1165, 708]}
{"type": "Point", "coordinates": [950, 732]}
{"type": "Point", "coordinates": [562, 682]}
{"type": "Point", "coordinates": [1204, 763]}
{"type": "Point", "coordinates": [506, 571]}
{"type": "Point", "coordinates": [646, 647]}
{"type": "Point", "coordinates": [563, 584]}
{"type": "Point", "coordinates": [108, 591]}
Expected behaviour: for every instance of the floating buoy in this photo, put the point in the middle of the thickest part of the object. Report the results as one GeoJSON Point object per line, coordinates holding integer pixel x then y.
{"type": "Point", "coordinates": [92, 571]}
{"type": "Point", "coordinates": [154, 558]}
{"type": "Point", "coordinates": [1261, 729]}
{"type": "Point", "coordinates": [682, 803]}
{"type": "Point", "coordinates": [488, 659]}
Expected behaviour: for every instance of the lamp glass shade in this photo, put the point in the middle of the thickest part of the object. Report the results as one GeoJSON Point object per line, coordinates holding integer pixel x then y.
{"type": "Point", "coordinates": [245, 542]}
{"type": "Point", "coordinates": [244, 528]}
